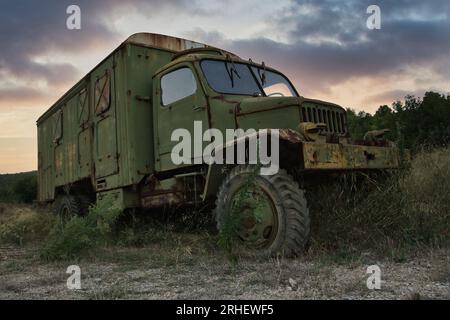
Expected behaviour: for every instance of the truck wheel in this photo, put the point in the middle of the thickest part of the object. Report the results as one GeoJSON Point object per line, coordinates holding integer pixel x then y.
{"type": "Point", "coordinates": [85, 203]}
{"type": "Point", "coordinates": [271, 211]}
{"type": "Point", "coordinates": [67, 206]}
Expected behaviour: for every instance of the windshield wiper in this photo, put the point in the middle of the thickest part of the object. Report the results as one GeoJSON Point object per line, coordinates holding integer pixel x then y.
{"type": "Point", "coordinates": [262, 76]}
{"type": "Point", "coordinates": [231, 71]}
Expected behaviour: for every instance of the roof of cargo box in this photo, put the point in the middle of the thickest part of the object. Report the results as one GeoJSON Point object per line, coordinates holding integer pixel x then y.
{"type": "Point", "coordinates": [178, 45]}
{"type": "Point", "coordinates": [164, 42]}
{"type": "Point", "coordinates": [152, 40]}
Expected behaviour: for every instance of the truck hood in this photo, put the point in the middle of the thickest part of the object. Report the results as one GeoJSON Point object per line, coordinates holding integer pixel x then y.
{"type": "Point", "coordinates": [261, 104]}
{"type": "Point", "coordinates": [288, 112]}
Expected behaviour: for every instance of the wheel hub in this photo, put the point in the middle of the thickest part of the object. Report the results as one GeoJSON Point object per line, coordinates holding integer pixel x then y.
{"type": "Point", "coordinates": [258, 218]}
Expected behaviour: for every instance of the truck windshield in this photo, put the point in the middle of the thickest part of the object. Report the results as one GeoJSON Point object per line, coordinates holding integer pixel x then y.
{"type": "Point", "coordinates": [244, 79]}
{"type": "Point", "coordinates": [274, 84]}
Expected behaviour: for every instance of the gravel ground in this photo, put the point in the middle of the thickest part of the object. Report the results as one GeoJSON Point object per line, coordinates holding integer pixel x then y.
{"type": "Point", "coordinates": [131, 273]}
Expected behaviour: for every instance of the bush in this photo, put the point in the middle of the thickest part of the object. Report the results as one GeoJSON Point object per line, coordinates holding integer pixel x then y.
{"type": "Point", "coordinates": [82, 233]}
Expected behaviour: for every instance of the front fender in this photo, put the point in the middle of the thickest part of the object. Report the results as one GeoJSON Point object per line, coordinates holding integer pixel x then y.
{"type": "Point", "coordinates": [216, 172]}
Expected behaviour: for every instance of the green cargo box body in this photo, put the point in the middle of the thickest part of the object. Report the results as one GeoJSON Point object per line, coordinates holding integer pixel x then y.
{"type": "Point", "coordinates": [101, 130]}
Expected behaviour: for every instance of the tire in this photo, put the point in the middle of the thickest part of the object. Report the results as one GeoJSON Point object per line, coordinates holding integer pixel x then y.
{"type": "Point", "coordinates": [85, 203]}
{"type": "Point", "coordinates": [67, 206]}
{"type": "Point", "coordinates": [289, 234]}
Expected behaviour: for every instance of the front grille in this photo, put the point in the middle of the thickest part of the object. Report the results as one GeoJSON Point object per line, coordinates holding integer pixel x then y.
{"type": "Point", "coordinates": [334, 118]}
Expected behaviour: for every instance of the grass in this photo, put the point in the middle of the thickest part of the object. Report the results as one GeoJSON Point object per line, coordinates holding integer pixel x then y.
{"type": "Point", "coordinates": [12, 266]}
{"type": "Point", "coordinates": [21, 225]}
{"type": "Point", "coordinates": [114, 292]}
{"type": "Point", "coordinates": [441, 273]}
{"type": "Point", "coordinates": [82, 233]}
{"type": "Point", "coordinates": [389, 217]}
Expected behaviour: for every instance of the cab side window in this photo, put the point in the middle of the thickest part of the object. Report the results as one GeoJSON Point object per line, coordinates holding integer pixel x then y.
{"type": "Point", "coordinates": [177, 85]}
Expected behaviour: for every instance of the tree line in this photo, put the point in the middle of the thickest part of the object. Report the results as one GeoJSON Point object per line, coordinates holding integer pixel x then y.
{"type": "Point", "coordinates": [414, 123]}
{"type": "Point", "coordinates": [18, 187]}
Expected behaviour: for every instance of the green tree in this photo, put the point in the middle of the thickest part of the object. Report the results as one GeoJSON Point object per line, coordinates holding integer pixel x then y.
{"type": "Point", "coordinates": [413, 123]}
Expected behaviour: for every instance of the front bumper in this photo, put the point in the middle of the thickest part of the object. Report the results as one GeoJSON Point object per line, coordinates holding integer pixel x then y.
{"type": "Point", "coordinates": [327, 156]}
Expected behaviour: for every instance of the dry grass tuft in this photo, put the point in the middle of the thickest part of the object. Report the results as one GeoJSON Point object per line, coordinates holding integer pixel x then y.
{"type": "Point", "coordinates": [409, 209]}
{"type": "Point", "coordinates": [20, 224]}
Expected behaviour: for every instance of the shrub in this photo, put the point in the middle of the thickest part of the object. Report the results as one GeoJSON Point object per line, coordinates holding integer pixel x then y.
{"type": "Point", "coordinates": [81, 233]}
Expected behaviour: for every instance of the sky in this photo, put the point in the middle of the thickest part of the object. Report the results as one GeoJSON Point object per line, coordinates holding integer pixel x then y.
{"type": "Point", "coordinates": [323, 46]}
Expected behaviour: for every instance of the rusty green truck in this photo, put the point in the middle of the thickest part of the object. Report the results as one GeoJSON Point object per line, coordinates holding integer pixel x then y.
{"type": "Point", "coordinates": [111, 134]}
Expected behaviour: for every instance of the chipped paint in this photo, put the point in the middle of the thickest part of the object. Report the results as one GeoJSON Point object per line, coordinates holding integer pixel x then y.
{"type": "Point", "coordinates": [326, 156]}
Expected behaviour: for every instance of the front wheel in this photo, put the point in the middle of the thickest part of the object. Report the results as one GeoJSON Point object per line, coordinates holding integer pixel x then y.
{"type": "Point", "coordinates": [267, 213]}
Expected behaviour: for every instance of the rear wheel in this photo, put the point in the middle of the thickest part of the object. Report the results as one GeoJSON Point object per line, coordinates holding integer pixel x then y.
{"type": "Point", "coordinates": [85, 204]}
{"type": "Point", "coordinates": [267, 213]}
{"type": "Point", "coordinates": [67, 206]}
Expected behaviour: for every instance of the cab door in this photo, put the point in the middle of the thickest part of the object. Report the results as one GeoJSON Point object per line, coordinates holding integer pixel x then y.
{"type": "Point", "coordinates": [179, 103]}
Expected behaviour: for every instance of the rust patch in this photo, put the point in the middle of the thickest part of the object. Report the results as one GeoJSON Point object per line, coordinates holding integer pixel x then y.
{"type": "Point", "coordinates": [163, 41]}
{"type": "Point", "coordinates": [325, 156]}
{"type": "Point", "coordinates": [155, 195]}
{"type": "Point", "coordinates": [290, 135]}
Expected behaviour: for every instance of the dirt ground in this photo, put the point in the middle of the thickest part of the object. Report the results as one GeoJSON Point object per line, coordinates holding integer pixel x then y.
{"type": "Point", "coordinates": [155, 272]}
{"type": "Point", "coordinates": [176, 265]}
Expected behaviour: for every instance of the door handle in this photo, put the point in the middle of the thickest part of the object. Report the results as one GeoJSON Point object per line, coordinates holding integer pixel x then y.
{"type": "Point", "coordinates": [199, 108]}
